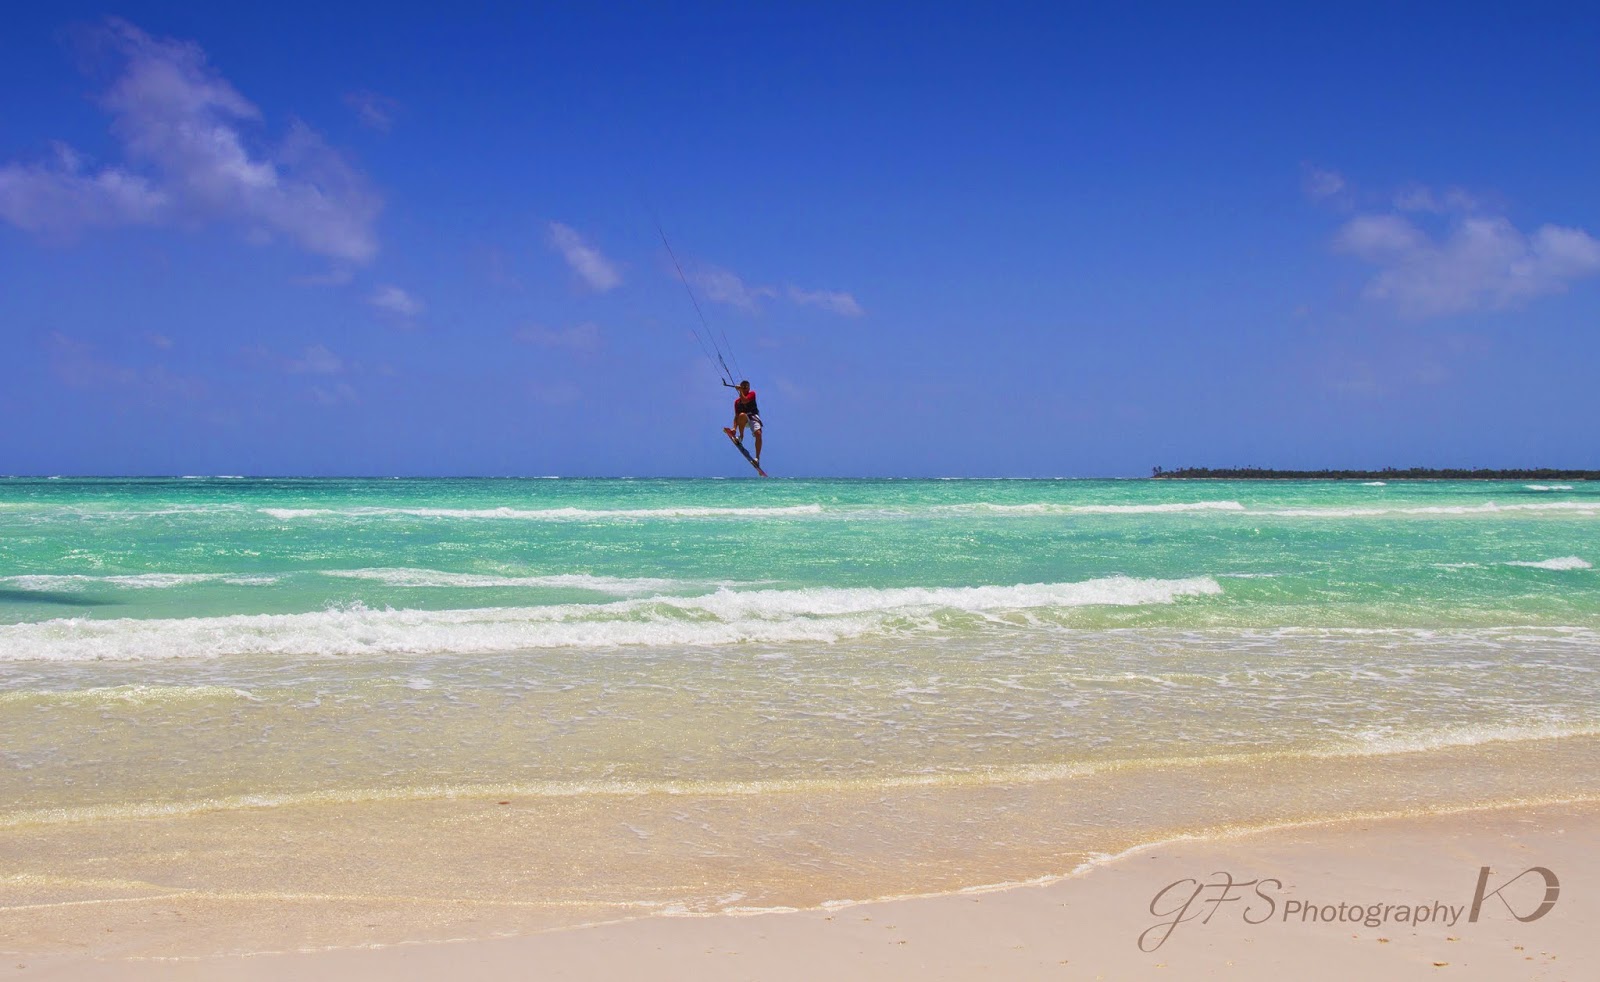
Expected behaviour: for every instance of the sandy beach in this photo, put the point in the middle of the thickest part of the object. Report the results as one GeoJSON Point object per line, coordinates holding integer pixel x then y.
{"type": "Point", "coordinates": [1023, 730]}
{"type": "Point", "coordinates": [785, 491]}
{"type": "Point", "coordinates": [1094, 924]}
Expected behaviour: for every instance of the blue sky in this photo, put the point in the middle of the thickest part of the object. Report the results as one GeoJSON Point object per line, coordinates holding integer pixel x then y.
{"type": "Point", "coordinates": [1022, 240]}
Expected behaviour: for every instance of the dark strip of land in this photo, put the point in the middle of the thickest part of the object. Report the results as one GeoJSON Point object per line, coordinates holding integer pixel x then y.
{"type": "Point", "coordinates": [1386, 474]}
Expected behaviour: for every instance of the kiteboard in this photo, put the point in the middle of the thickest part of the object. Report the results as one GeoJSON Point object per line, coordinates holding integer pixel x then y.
{"type": "Point", "coordinates": [744, 451]}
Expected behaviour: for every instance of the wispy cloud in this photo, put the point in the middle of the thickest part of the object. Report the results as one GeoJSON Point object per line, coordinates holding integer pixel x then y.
{"type": "Point", "coordinates": [79, 365]}
{"type": "Point", "coordinates": [1441, 252]}
{"type": "Point", "coordinates": [1321, 183]}
{"type": "Point", "coordinates": [392, 300]}
{"type": "Point", "coordinates": [583, 338]}
{"type": "Point", "coordinates": [723, 286]}
{"type": "Point", "coordinates": [184, 132]}
{"type": "Point", "coordinates": [317, 360]}
{"type": "Point", "coordinates": [330, 382]}
{"type": "Point", "coordinates": [57, 197]}
{"type": "Point", "coordinates": [1476, 262]}
{"type": "Point", "coordinates": [338, 394]}
{"type": "Point", "coordinates": [598, 272]}
{"type": "Point", "coordinates": [833, 301]}
{"type": "Point", "coordinates": [1418, 198]}
{"type": "Point", "coordinates": [374, 110]}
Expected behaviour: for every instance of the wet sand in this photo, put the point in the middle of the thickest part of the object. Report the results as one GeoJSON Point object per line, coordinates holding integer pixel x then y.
{"type": "Point", "coordinates": [1087, 925]}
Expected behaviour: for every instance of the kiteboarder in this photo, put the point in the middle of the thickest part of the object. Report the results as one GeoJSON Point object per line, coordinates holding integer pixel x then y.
{"type": "Point", "coordinates": [746, 414]}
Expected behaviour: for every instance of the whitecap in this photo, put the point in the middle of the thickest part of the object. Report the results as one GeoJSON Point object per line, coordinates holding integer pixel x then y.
{"type": "Point", "coordinates": [823, 614]}
{"type": "Point", "coordinates": [431, 578]}
{"type": "Point", "coordinates": [1564, 563]}
{"type": "Point", "coordinates": [130, 581]}
{"type": "Point", "coordinates": [546, 514]}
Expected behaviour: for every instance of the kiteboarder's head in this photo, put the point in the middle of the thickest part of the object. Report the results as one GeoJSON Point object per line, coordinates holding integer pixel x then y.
{"type": "Point", "coordinates": [744, 386]}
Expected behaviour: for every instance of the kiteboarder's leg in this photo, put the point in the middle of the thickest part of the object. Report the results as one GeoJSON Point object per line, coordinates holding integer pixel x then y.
{"type": "Point", "coordinates": [755, 424]}
{"type": "Point", "coordinates": [740, 421]}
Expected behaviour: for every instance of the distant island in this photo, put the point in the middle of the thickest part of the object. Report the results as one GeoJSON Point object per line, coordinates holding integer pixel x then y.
{"type": "Point", "coordinates": [1387, 474]}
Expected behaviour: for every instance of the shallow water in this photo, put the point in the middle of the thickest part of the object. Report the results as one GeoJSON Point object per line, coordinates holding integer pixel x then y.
{"type": "Point", "coordinates": [708, 695]}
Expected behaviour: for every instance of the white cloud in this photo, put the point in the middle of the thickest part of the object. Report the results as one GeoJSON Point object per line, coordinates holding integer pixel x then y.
{"type": "Point", "coordinates": [158, 341]}
{"type": "Point", "coordinates": [1321, 183]}
{"type": "Point", "coordinates": [183, 130]}
{"type": "Point", "coordinates": [78, 364]}
{"type": "Point", "coordinates": [58, 197]}
{"type": "Point", "coordinates": [839, 303]}
{"type": "Point", "coordinates": [1380, 238]}
{"type": "Point", "coordinates": [317, 360]}
{"type": "Point", "coordinates": [341, 393]}
{"type": "Point", "coordinates": [725, 287]}
{"type": "Point", "coordinates": [374, 110]}
{"type": "Point", "coordinates": [1477, 262]}
{"type": "Point", "coordinates": [592, 267]}
{"type": "Point", "coordinates": [1424, 199]}
{"type": "Point", "coordinates": [582, 338]}
{"type": "Point", "coordinates": [391, 299]}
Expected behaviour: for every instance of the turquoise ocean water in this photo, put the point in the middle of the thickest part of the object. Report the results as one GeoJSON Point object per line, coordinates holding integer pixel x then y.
{"type": "Point", "coordinates": [706, 694]}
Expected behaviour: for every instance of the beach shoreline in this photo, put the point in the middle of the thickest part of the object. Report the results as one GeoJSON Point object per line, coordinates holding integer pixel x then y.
{"type": "Point", "coordinates": [374, 724]}
{"type": "Point", "coordinates": [1092, 923]}
{"type": "Point", "coordinates": [1084, 924]}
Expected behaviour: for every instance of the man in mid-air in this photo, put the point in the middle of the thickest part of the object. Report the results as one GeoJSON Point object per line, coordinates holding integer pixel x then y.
{"type": "Point", "coordinates": [746, 413]}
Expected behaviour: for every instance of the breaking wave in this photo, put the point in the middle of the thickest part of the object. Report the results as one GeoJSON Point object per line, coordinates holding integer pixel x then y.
{"type": "Point", "coordinates": [544, 514]}
{"type": "Point", "coordinates": [623, 586]}
{"type": "Point", "coordinates": [1564, 563]}
{"type": "Point", "coordinates": [724, 617]}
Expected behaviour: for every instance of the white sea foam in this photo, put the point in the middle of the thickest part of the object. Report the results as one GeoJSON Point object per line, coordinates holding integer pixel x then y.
{"type": "Point", "coordinates": [79, 512]}
{"type": "Point", "coordinates": [1374, 484]}
{"type": "Point", "coordinates": [1054, 508]}
{"type": "Point", "coordinates": [425, 578]}
{"type": "Point", "coordinates": [126, 695]}
{"type": "Point", "coordinates": [777, 511]}
{"type": "Point", "coordinates": [1395, 741]}
{"type": "Point", "coordinates": [1586, 508]}
{"type": "Point", "coordinates": [545, 514]}
{"type": "Point", "coordinates": [1025, 509]}
{"type": "Point", "coordinates": [1548, 487]}
{"type": "Point", "coordinates": [723, 617]}
{"type": "Point", "coordinates": [130, 581]}
{"type": "Point", "coordinates": [1564, 563]}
